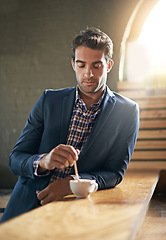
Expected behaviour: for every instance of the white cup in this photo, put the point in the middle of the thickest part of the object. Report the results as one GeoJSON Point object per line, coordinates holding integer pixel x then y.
{"type": "Point", "coordinates": [84, 187]}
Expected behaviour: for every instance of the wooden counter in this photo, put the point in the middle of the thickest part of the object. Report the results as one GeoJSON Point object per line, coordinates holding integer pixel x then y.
{"type": "Point", "coordinates": [108, 214]}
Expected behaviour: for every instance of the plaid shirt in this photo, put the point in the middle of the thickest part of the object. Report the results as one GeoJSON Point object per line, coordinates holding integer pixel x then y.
{"type": "Point", "coordinates": [81, 124]}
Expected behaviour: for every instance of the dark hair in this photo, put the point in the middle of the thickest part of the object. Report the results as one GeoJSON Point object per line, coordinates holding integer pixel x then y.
{"type": "Point", "coordinates": [93, 38]}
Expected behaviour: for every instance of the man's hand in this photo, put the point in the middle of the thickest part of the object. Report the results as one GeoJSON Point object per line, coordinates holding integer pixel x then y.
{"type": "Point", "coordinates": [54, 191]}
{"type": "Point", "coordinates": [61, 157]}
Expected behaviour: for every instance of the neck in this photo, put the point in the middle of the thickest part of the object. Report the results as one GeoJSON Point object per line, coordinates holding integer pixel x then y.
{"type": "Point", "coordinates": [90, 98]}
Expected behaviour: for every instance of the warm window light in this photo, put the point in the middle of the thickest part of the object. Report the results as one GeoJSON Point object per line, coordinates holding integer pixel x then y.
{"type": "Point", "coordinates": [146, 58]}
{"type": "Point", "coordinates": [153, 34]}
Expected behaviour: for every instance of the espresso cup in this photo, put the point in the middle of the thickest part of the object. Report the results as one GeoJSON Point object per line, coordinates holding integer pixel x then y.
{"type": "Point", "coordinates": [82, 188]}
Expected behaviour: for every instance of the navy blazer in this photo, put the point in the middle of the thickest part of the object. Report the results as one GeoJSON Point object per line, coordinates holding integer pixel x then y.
{"type": "Point", "coordinates": [104, 157]}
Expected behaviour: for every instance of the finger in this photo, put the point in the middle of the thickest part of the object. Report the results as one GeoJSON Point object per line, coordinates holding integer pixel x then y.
{"type": "Point", "coordinates": [61, 164]}
{"type": "Point", "coordinates": [59, 161]}
{"type": "Point", "coordinates": [56, 158]}
{"type": "Point", "coordinates": [42, 194]}
{"type": "Point", "coordinates": [48, 194]}
{"type": "Point", "coordinates": [74, 152]}
{"type": "Point", "coordinates": [67, 149]}
{"type": "Point", "coordinates": [78, 151]}
{"type": "Point", "coordinates": [65, 154]}
{"type": "Point", "coordinates": [46, 200]}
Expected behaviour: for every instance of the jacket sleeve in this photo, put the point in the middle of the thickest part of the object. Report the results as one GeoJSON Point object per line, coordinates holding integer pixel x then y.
{"type": "Point", "coordinates": [26, 149]}
{"type": "Point", "coordinates": [119, 153]}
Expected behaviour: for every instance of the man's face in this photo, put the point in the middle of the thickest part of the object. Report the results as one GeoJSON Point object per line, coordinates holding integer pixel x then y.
{"type": "Point", "coordinates": [91, 70]}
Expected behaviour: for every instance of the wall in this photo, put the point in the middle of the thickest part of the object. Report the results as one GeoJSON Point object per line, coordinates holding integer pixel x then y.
{"type": "Point", "coordinates": [35, 54]}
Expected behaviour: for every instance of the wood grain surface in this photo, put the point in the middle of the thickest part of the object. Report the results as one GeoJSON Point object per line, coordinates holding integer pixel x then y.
{"type": "Point", "coordinates": [108, 214]}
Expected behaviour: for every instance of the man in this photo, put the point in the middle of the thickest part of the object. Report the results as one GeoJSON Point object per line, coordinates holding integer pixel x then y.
{"type": "Point", "coordinates": [89, 124]}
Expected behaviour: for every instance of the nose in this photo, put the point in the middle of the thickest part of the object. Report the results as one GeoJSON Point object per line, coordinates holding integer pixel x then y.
{"type": "Point", "coordinates": [88, 73]}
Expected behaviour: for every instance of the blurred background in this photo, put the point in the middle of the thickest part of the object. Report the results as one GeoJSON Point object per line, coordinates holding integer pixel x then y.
{"type": "Point", "coordinates": [35, 53]}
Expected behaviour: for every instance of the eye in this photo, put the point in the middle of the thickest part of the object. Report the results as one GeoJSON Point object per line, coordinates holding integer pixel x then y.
{"type": "Point", "coordinates": [97, 65]}
{"type": "Point", "coordinates": [80, 64]}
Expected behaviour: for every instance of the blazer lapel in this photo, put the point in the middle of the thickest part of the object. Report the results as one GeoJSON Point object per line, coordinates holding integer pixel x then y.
{"type": "Point", "coordinates": [106, 110]}
{"type": "Point", "coordinates": [67, 108]}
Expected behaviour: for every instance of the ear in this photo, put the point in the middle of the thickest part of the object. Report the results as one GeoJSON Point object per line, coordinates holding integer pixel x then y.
{"type": "Point", "coordinates": [110, 65]}
{"type": "Point", "coordinates": [73, 64]}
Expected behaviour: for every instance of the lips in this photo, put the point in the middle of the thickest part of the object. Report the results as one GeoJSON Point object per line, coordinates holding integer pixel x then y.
{"type": "Point", "coordinates": [89, 82]}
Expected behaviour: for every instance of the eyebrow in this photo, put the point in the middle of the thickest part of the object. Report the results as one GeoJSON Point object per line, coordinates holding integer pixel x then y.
{"type": "Point", "coordinates": [79, 61]}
